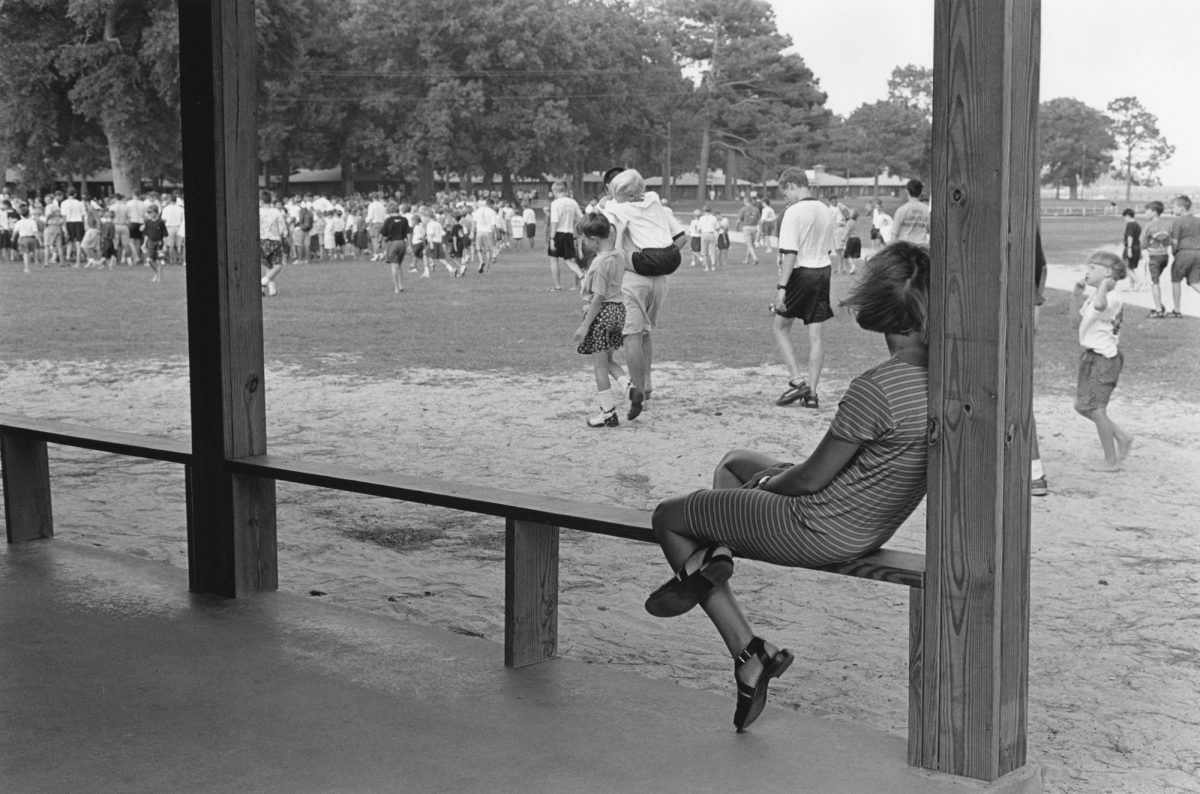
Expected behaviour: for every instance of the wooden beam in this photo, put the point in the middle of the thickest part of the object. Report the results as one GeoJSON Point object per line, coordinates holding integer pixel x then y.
{"type": "Point", "coordinates": [530, 593]}
{"type": "Point", "coordinates": [26, 478]}
{"type": "Point", "coordinates": [975, 660]}
{"type": "Point", "coordinates": [231, 521]}
{"type": "Point", "coordinates": [984, 188]}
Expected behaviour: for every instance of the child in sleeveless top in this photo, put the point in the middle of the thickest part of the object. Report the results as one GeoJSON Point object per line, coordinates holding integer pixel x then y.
{"type": "Point", "coordinates": [600, 332]}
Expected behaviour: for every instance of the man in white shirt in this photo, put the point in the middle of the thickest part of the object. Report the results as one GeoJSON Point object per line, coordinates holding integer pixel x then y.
{"type": "Point", "coordinates": [708, 226]}
{"type": "Point", "coordinates": [560, 233]}
{"type": "Point", "coordinates": [529, 218]}
{"type": "Point", "coordinates": [911, 221]}
{"type": "Point", "coordinates": [485, 220]}
{"type": "Point", "coordinates": [806, 236]}
{"type": "Point", "coordinates": [73, 212]}
{"type": "Point", "coordinates": [272, 230]}
{"type": "Point", "coordinates": [172, 216]}
{"type": "Point", "coordinates": [376, 215]}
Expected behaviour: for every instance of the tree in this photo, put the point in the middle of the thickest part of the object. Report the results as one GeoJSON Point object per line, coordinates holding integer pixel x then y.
{"type": "Point", "coordinates": [912, 86]}
{"type": "Point", "coordinates": [1143, 148]}
{"type": "Point", "coordinates": [750, 96]}
{"type": "Point", "coordinates": [886, 134]}
{"type": "Point", "coordinates": [1076, 143]}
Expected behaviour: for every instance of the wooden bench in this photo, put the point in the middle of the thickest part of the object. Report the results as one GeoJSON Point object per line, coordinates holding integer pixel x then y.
{"type": "Point", "coordinates": [532, 525]}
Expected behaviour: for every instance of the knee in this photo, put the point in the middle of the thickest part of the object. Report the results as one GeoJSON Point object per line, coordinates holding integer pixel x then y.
{"type": "Point", "coordinates": [667, 517]}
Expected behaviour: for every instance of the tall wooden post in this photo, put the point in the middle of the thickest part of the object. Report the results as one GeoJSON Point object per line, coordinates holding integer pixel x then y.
{"type": "Point", "coordinates": [984, 195]}
{"type": "Point", "coordinates": [231, 519]}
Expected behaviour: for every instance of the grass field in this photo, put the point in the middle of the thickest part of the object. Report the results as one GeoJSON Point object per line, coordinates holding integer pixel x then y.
{"type": "Point", "coordinates": [342, 318]}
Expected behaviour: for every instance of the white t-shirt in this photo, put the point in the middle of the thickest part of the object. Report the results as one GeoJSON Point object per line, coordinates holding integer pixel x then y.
{"type": "Point", "coordinates": [137, 210]}
{"type": "Point", "coordinates": [172, 215]}
{"type": "Point", "coordinates": [271, 225]}
{"type": "Point", "coordinates": [883, 222]}
{"type": "Point", "coordinates": [651, 225]}
{"type": "Point", "coordinates": [768, 214]}
{"type": "Point", "coordinates": [1101, 330]}
{"type": "Point", "coordinates": [26, 227]}
{"type": "Point", "coordinates": [564, 214]}
{"type": "Point", "coordinates": [708, 223]}
{"type": "Point", "coordinates": [376, 212]}
{"type": "Point", "coordinates": [529, 216]}
{"type": "Point", "coordinates": [807, 229]}
{"type": "Point", "coordinates": [485, 219]}
{"type": "Point", "coordinates": [73, 210]}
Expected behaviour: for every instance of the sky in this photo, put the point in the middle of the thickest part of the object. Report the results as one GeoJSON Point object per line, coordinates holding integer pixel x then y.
{"type": "Point", "coordinates": [1092, 50]}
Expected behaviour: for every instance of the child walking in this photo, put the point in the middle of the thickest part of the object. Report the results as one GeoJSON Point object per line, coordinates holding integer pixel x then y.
{"type": "Point", "coordinates": [600, 333]}
{"type": "Point", "coordinates": [845, 500]}
{"type": "Point", "coordinates": [1100, 362]}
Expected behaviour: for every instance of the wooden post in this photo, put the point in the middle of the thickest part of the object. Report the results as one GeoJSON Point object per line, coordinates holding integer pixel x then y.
{"type": "Point", "coordinates": [985, 166]}
{"type": "Point", "coordinates": [27, 513]}
{"type": "Point", "coordinates": [231, 520]}
{"type": "Point", "coordinates": [530, 593]}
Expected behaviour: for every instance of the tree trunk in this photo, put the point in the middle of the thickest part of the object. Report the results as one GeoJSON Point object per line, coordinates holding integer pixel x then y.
{"type": "Point", "coordinates": [425, 187]}
{"type": "Point", "coordinates": [702, 169]}
{"type": "Point", "coordinates": [127, 179]}
{"type": "Point", "coordinates": [506, 187]}
{"type": "Point", "coordinates": [347, 175]}
{"type": "Point", "coordinates": [1128, 173]}
{"type": "Point", "coordinates": [732, 169]}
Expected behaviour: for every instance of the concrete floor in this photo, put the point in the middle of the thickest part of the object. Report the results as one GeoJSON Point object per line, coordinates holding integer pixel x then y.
{"type": "Point", "coordinates": [114, 679]}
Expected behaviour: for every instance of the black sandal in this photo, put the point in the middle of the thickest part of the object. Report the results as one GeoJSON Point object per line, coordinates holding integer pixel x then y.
{"type": "Point", "coordinates": [751, 700]}
{"type": "Point", "coordinates": [685, 590]}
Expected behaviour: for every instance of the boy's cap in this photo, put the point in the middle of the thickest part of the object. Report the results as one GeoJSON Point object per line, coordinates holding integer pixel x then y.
{"type": "Point", "coordinates": [610, 173]}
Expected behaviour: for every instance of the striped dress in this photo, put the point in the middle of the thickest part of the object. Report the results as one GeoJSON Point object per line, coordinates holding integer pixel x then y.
{"type": "Point", "coordinates": [885, 412]}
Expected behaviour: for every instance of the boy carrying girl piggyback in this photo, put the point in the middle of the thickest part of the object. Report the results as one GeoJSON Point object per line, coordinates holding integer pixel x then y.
{"type": "Point", "coordinates": [1101, 361]}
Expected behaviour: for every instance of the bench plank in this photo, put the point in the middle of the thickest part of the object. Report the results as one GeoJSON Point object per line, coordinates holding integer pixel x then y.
{"type": "Point", "coordinates": [884, 565]}
{"type": "Point", "coordinates": [87, 437]}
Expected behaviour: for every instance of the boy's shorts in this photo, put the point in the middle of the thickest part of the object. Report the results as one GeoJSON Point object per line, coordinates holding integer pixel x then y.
{"type": "Point", "coordinates": [1098, 377]}
{"type": "Point", "coordinates": [395, 251]}
{"type": "Point", "coordinates": [1156, 264]}
{"type": "Point", "coordinates": [807, 295]}
{"type": "Point", "coordinates": [643, 297]}
{"type": "Point", "coordinates": [75, 231]}
{"type": "Point", "coordinates": [1186, 267]}
{"type": "Point", "coordinates": [27, 245]}
{"type": "Point", "coordinates": [563, 246]}
{"type": "Point", "coordinates": [853, 248]}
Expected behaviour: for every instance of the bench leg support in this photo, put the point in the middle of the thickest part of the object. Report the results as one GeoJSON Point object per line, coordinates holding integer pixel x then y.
{"type": "Point", "coordinates": [27, 513]}
{"type": "Point", "coordinates": [530, 593]}
{"type": "Point", "coordinates": [916, 671]}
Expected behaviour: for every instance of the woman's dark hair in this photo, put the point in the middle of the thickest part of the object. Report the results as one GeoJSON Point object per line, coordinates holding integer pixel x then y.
{"type": "Point", "coordinates": [893, 297]}
{"type": "Point", "coordinates": [596, 225]}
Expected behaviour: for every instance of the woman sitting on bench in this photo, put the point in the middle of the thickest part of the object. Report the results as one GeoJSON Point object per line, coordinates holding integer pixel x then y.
{"type": "Point", "coordinates": [863, 480]}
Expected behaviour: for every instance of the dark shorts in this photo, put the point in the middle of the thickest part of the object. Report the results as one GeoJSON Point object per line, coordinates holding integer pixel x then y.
{"type": "Point", "coordinates": [419, 250]}
{"type": "Point", "coordinates": [1097, 378]}
{"type": "Point", "coordinates": [27, 245]}
{"type": "Point", "coordinates": [1133, 258]}
{"type": "Point", "coordinates": [1156, 264]}
{"type": "Point", "coordinates": [396, 249]}
{"type": "Point", "coordinates": [807, 295]}
{"type": "Point", "coordinates": [1186, 267]}
{"type": "Point", "coordinates": [437, 251]}
{"type": "Point", "coordinates": [135, 231]}
{"type": "Point", "coordinates": [270, 252]}
{"type": "Point", "coordinates": [563, 246]}
{"type": "Point", "coordinates": [696, 244]}
{"type": "Point", "coordinates": [853, 248]}
{"type": "Point", "coordinates": [74, 231]}
{"type": "Point", "coordinates": [339, 239]}
{"type": "Point", "coordinates": [1039, 289]}
{"type": "Point", "coordinates": [768, 228]}
{"type": "Point", "coordinates": [530, 230]}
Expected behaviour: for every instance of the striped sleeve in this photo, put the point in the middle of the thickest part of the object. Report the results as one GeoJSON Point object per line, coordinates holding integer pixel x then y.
{"type": "Point", "coordinates": [863, 414]}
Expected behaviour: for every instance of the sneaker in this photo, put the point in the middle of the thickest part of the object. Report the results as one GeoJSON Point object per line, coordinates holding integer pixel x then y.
{"type": "Point", "coordinates": [462, 270]}
{"type": "Point", "coordinates": [1038, 487]}
{"type": "Point", "coordinates": [272, 289]}
{"type": "Point", "coordinates": [604, 419]}
{"type": "Point", "coordinates": [795, 391]}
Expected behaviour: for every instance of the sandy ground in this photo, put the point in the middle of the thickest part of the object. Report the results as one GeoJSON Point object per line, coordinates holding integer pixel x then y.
{"type": "Point", "coordinates": [1115, 645]}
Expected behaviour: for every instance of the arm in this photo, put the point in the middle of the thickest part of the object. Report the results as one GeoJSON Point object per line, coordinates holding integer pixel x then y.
{"type": "Point", "coordinates": [589, 316]}
{"type": "Point", "coordinates": [787, 263]}
{"type": "Point", "coordinates": [1100, 299]}
{"type": "Point", "coordinates": [831, 456]}
{"type": "Point", "coordinates": [1077, 297]}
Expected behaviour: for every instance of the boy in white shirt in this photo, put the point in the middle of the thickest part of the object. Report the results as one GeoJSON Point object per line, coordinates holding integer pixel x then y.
{"type": "Point", "coordinates": [1101, 361]}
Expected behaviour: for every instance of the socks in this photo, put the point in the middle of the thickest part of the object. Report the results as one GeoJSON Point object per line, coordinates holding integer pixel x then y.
{"type": "Point", "coordinates": [607, 400]}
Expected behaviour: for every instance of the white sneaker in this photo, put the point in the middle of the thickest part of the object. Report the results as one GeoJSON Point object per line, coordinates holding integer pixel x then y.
{"type": "Point", "coordinates": [272, 289]}
{"type": "Point", "coordinates": [604, 419]}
